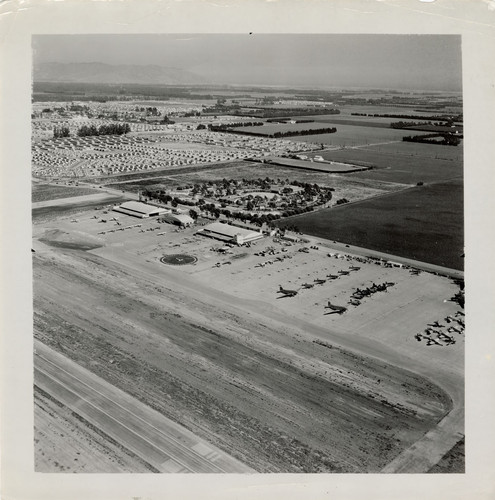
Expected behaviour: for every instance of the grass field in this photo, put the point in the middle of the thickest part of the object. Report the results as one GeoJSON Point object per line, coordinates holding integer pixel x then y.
{"type": "Point", "coordinates": [355, 135]}
{"type": "Point", "coordinates": [45, 192]}
{"type": "Point", "coordinates": [403, 162]}
{"type": "Point", "coordinates": [423, 223]}
{"type": "Point", "coordinates": [346, 135]}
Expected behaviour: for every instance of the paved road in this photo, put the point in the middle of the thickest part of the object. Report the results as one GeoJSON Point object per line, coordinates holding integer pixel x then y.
{"type": "Point", "coordinates": [160, 442]}
{"type": "Point", "coordinates": [429, 450]}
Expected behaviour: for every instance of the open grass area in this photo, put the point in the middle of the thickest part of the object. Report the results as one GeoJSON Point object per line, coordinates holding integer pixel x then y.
{"type": "Point", "coordinates": [45, 192]}
{"type": "Point", "coordinates": [424, 223]}
{"type": "Point", "coordinates": [403, 162]}
{"type": "Point", "coordinates": [354, 135]}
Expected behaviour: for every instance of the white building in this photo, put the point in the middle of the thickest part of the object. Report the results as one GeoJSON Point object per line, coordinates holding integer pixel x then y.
{"type": "Point", "coordinates": [179, 219]}
{"type": "Point", "coordinates": [231, 234]}
{"type": "Point", "coordinates": [139, 209]}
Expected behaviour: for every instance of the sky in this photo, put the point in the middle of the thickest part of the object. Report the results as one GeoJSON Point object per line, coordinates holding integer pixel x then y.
{"type": "Point", "coordinates": [423, 62]}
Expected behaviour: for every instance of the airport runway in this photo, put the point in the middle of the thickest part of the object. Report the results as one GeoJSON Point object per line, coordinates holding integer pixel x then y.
{"type": "Point", "coordinates": [160, 442]}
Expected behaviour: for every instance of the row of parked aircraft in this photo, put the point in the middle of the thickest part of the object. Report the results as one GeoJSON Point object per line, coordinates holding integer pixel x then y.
{"type": "Point", "coordinates": [334, 309]}
{"type": "Point", "coordinates": [360, 293]}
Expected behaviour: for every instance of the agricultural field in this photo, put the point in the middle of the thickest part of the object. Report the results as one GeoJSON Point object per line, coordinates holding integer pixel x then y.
{"type": "Point", "coordinates": [403, 162]}
{"type": "Point", "coordinates": [354, 135]}
{"type": "Point", "coordinates": [424, 223]}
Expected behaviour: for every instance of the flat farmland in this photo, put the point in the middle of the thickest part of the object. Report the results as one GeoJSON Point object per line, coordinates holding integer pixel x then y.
{"type": "Point", "coordinates": [354, 135]}
{"type": "Point", "coordinates": [403, 162]}
{"type": "Point", "coordinates": [423, 223]}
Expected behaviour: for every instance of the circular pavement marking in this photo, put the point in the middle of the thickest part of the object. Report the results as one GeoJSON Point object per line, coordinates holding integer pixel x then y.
{"type": "Point", "coordinates": [178, 259]}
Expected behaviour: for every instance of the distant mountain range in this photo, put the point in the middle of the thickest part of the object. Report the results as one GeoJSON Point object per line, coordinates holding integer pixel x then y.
{"type": "Point", "coordinates": [111, 73]}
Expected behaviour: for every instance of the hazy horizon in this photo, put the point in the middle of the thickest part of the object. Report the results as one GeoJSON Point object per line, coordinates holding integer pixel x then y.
{"type": "Point", "coordinates": [402, 62]}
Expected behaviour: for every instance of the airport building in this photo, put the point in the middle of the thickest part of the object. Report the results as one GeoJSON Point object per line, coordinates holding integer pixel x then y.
{"type": "Point", "coordinates": [178, 219]}
{"type": "Point", "coordinates": [139, 209]}
{"type": "Point", "coordinates": [230, 234]}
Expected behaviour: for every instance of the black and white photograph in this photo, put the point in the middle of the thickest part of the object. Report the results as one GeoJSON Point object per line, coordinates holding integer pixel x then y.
{"type": "Point", "coordinates": [248, 254]}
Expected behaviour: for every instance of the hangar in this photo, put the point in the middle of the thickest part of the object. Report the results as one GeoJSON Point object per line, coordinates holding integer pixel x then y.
{"type": "Point", "coordinates": [229, 233]}
{"type": "Point", "coordinates": [179, 219]}
{"type": "Point", "coordinates": [138, 209]}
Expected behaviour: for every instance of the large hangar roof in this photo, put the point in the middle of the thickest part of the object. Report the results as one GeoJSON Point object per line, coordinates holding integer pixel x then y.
{"type": "Point", "coordinates": [140, 209]}
{"type": "Point", "coordinates": [228, 230]}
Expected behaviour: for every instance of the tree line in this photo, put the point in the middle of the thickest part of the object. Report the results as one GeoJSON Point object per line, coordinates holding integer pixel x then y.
{"type": "Point", "coordinates": [448, 139]}
{"type": "Point", "coordinates": [443, 118]}
{"type": "Point", "coordinates": [226, 126]}
{"type": "Point", "coordinates": [288, 133]}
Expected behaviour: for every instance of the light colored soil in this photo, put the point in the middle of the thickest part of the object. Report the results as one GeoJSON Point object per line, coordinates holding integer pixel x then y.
{"type": "Point", "coordinates": [65, 443]}
{"type": "Point", "coordinates": [214, 349]}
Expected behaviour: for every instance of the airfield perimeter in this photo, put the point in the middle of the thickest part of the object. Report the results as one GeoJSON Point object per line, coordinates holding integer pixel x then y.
{"type": "Point", "coordinates": [274, 382]}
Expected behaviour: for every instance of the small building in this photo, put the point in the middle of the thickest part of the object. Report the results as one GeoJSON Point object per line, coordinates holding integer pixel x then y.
{"type": "Point", "coordinates": [229, 233]}
{"type": "Point", "coordinates": [139, 209]}
{"type": "Point", "coordinates": [179, 219]}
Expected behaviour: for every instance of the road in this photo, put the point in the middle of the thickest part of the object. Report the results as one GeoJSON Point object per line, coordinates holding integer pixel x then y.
{"type": "Point", "coordinates": [159, 441]}
{"type": "Point", "coordinates": [428, 451]}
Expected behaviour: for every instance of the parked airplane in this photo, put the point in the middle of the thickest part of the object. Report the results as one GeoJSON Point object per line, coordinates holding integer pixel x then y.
{"type": "Point", "coordinates": [308, 285]}
{"type": "Point", "coordinates": [335, 309]}
{"type": "Point", "coordinates": [354, 268]}
{"type": "Point", "coordinates": [319, 281]}
{"type": "Point", "coordinates": [430, 341]}
{"type": "Point", "coordinates": [344, 273]}
{"type": "Point", "coordinates": [354, 302]}
{"type": "Point", "coordinates": [436, 324]}
{"type": "Point", "coordinates": [287, 293]}
{"type": "Point", "coordinates": [333, 276]}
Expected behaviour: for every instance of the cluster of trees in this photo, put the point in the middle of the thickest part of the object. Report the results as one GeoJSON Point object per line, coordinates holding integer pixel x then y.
{"type": "Point", "coordinates": [150, 110]}
{"type": "Point", "coordinates": [448, 139]}
{"type": "Point", "coordinates": [61, 132]}
{"type": "Point", "coordinates": [294, 207]}
{"type": "Point", "coordinates": [110, 129]}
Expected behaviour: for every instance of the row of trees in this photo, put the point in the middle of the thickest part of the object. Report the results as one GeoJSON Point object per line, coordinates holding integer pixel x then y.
{"type": "Point", "coordinates": [442, 118]}
{"type": "Point", "coordinates": [288, 133]}
{"type": "Point", "coordinates": [225, 127]}
{"type": "Point", "coordinates": [448, 139]}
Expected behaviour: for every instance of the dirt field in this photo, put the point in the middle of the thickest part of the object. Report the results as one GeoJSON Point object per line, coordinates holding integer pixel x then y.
{"type": "Point", "coordinates": [217, 350]}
